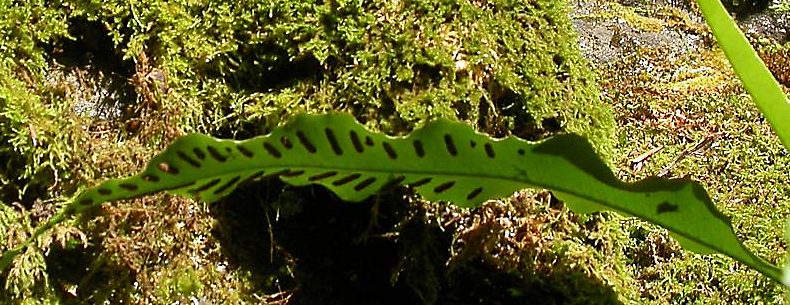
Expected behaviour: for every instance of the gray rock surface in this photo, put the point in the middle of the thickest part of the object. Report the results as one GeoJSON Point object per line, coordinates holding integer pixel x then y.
{"type": "Point", "coordinates": [605, 41]}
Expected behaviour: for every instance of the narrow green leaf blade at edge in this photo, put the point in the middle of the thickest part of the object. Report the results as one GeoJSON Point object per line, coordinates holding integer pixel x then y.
{"type": "Point", "coordinates": [756, 78]}
{"type": "Point", "coordinates": [443, 161]}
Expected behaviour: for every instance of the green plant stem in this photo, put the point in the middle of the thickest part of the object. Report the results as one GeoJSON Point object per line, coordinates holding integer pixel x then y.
{"type": "Point", "coordinates": [8, 256]}
{"type": "Point", "coordinates": [756, 78]}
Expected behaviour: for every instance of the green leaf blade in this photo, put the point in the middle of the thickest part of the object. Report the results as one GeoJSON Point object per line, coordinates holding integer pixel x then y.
{"type": "Point", "coordinates": [756, 78]}
{"type": "Point", "coordinates": [679, 205]}
{"type": "Point", "coordinates": [443, 161]}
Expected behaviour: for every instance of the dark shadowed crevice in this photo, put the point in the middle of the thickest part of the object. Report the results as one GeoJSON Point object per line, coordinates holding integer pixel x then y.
{"type": "Point", "coordinates": [243, 231]}
{"type": "Point", "coordinates": [746, 8]}
{"type": "Point", "coordinates": [480, 283]}
{"type": "Point", "coordinates": [90, 274]}
{"type": "Point", "coordinates": [561, 73]}
{"type": "Point", "coordinates": [263, 67]}
{"type": "Point", "coordinates": [388, 112]}
{"type": "Point", "coordinates": [92, 46]}
{"type": "Point", "coordinates": [511, 116]}
{"type": "Point", "coordinates": [463, 109]}
{"type": "Point", "coordinates": [552, 124]}
{"type": "Point", "coordinates": [323, 249]}
{"type": "Point", "coordinates": [426, 75]}
{"type": "Point", "coordinates": [93, 64]}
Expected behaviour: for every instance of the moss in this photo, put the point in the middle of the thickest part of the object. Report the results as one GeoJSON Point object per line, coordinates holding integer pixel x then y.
{"type": "Point", "coordinates": [178, 287]}
{"type": "Point", "coordinates": [683, 101]}
{"type": "Point", "coordinates": [38, 148]}
{"type": "Point", "coordinates": [630, 15]}
{"type": "Point", "coordinates": [773, 55]}
{"type": "Point", "coordinates": [393, 64]}
{"type": "Point", "coordinates": [92, 89]}
{"type": "Point", "coordinates": [541, 254]}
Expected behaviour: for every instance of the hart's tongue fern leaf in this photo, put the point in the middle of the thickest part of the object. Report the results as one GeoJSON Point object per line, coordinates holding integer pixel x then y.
{"type": "Point", "coordinates": [443, 161]}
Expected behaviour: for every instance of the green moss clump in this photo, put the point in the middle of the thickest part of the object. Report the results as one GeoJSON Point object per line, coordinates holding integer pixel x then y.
{"type": "Point", "coordinates": [92, 89]}
{"type": "Point", "coordinates": [507, 67]}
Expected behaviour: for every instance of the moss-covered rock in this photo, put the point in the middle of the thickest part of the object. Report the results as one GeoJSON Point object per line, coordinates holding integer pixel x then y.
{"type": "Point", "coordinates": [507, 67]}
{"type": "Point", "coordinates": [92, 89]}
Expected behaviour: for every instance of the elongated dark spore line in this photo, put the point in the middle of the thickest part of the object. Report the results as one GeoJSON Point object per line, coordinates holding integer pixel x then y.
{"type": "Point", "coordinates": [443, 161]}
